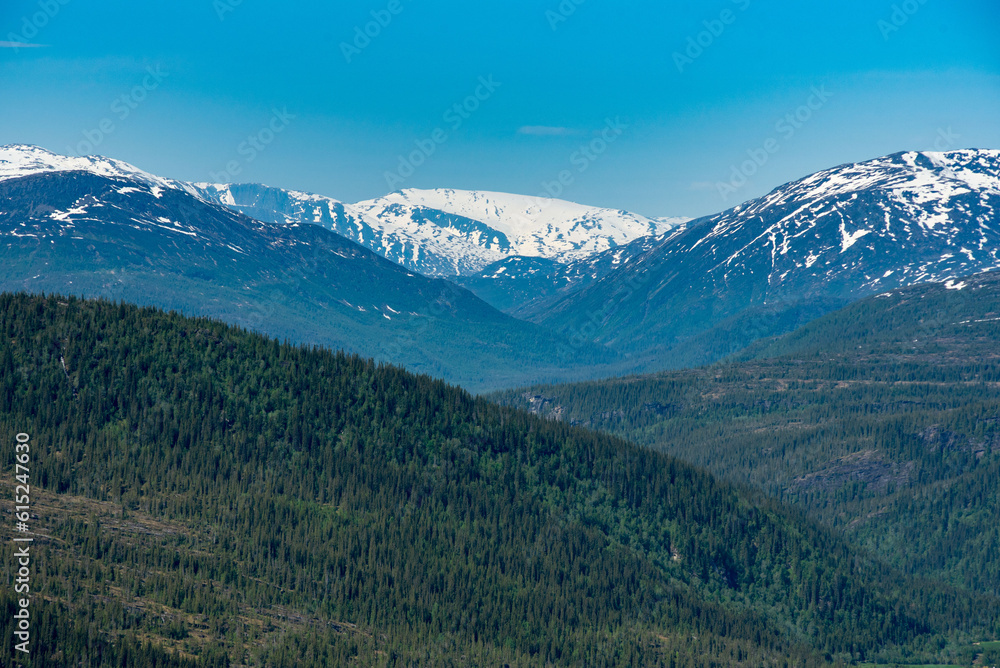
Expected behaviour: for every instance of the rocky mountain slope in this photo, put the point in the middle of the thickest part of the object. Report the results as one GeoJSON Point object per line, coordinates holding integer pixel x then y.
{"type": "Point", "coordinates": [775, 262]}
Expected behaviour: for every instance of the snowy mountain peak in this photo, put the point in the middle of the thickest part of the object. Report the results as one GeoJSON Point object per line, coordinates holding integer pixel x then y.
{"type": "Point", "coordinates": [447, 232]}
{"type": "Point", "coordinates": [927, 175]}
{"type": "Point", "coordinates": [510, 214]}
{"type": "Point", "coordinates": [17, 160]}
{"type": "Point", "coordinates": [435, 232]}
{"type": "Point", "coordinates": [897, 220]}
{"type": "Point", "coordinates": [532, 226]}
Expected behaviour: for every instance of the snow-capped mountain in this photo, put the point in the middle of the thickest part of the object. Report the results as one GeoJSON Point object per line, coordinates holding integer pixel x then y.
{"type": "Point", "coordinates": [439, 233]}
{"type": "Point", "coordinates": [695, 292]}
{"type": "Point", "coordinates": [538, 227]}
{"type": "Point", "coordinates": [17, 160]}
{"type": "Point", "coordinates": [74, 231]}
{"type": "Point", "coordinates": [805, 248]}
{"type": "Point", "coordinates": [893, 213]}
{"type": "Point", "coordinates": [450, 233]}
{"type": "Point", "coordinates": [480, 228]}
{"type": "Point", "coordinates": [429, 242]}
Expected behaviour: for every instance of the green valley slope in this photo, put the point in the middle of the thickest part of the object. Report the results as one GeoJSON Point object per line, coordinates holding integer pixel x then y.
{"type": "Point", "coordinates": [881, 419]}
{"type": "Point", "coordinates": [205, 496]}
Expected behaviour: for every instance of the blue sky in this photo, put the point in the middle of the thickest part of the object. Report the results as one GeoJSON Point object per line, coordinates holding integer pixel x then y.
{"type": "Point", "coordinates": [645, 106]}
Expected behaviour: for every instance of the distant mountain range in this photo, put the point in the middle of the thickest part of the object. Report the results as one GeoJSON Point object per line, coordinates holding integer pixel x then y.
{"type": "Point", "coordinates": [142, 240]}
{"type": "Point", "coordinates": [625, 293]}
{"type": "Point", "coordinates": [448, 233]}
{"type": "Point", "coordinates": [438, 233]}
{"type": "Point", "coordinates": [771, 264]}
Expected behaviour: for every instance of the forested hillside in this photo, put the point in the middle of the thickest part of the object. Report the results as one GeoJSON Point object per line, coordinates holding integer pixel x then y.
{"type": "Point", "coordinates": [881, 420]}
{"type": "Point", "coordinates": [204, 496]}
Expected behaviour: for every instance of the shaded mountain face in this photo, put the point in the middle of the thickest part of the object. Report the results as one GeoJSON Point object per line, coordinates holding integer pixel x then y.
{"type": "Point", "coordinates": [955, 323]}
{"type": "Point", "coordinates": [523, 286]}
{"type": "Point", "coordinates": [776, 262]}
{"type": "Point", "coordinates": [140, 241]}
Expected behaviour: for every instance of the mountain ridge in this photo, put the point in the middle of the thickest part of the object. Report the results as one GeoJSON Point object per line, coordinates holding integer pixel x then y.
{"type": "Point", "coordinates": [439, 233]}
{"type": "Point", "coordinates": [125, 239]}
{"type": "Point", "coordinates": [807, 247]}
{"type": "Point", "coordinates": [697, 293]}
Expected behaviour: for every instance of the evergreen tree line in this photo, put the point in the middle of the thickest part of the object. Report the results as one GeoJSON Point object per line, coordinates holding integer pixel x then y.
{"type": "Point", "coordinates": [212, 497]}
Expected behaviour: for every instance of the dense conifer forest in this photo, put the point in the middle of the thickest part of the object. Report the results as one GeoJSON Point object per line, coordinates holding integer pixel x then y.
{"type": "Point", "coordinates": [203, 496]}
{"type": "Point", "coordinates": [881, 420]}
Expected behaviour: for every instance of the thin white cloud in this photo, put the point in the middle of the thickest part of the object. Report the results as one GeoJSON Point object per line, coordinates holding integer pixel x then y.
{"type": "Point", "coordinates": [546, 131]}
{"type": "Point", "coordinates": [19, 45]}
